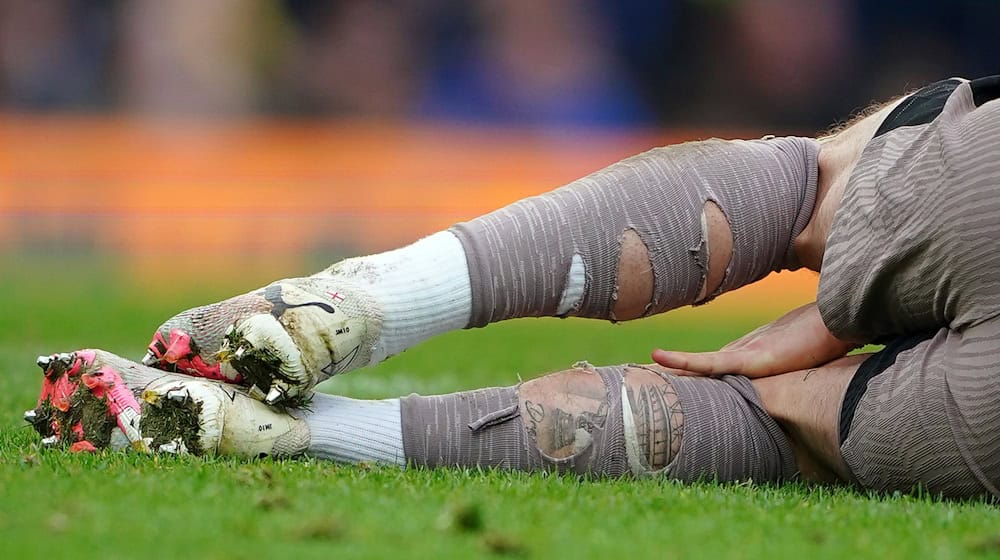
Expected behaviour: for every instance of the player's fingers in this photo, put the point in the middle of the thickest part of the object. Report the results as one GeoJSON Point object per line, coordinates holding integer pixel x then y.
{"type": "Point", "coordinates": [704, 363]}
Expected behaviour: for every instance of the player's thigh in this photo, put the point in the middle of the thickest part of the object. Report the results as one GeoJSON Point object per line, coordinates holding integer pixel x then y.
{"type": "Point", "coordinates": [925, 411]}
{"type": "Point", "coordinates": [912, 246]}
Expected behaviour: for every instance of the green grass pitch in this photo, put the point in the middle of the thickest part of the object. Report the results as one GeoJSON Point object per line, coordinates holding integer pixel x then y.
{"type": "Point", "coordinates": [125, 505]}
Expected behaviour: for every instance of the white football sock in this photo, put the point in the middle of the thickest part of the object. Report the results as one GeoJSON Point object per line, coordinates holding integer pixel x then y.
{"type": "Point", "coordinates": [354, 431]}
{"type": "Point", "coordinates": [422, 289]}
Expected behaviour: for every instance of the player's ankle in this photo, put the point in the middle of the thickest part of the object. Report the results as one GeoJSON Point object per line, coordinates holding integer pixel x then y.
{"type": "Point", "coordinates": [422, 290]}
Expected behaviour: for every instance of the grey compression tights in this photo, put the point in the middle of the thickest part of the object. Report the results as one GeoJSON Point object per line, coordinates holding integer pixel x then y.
{"type": "Point", "coordinates": [603, 422]}
{"type": "Point", "coordinates": [558, 253]}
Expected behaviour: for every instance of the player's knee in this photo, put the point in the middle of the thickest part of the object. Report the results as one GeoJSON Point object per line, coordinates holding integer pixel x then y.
{"type": "Point", "coordinates": [577, 418]}
{"type": "Point", "coordinates": [632, 419]}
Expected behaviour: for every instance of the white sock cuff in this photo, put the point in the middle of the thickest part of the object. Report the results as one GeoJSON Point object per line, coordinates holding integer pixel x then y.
{"type": "Point", "coordinates": [355, 431]}
{"type": "Point", "coordinates": [423, 290]}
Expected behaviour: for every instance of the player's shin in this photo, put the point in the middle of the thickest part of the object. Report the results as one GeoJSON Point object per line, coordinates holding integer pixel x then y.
{"type": "Point", "coordinates": [667, 217]}
{"type": "Point", "coordinates": [608, 421]}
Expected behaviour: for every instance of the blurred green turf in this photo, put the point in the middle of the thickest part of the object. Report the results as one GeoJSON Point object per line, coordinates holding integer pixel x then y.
{"type": "Point", "coordinates": [57, 505]}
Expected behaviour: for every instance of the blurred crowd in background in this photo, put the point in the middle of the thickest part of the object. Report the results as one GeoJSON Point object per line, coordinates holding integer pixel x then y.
{"type": "Point", "coordinates": [738, 63]}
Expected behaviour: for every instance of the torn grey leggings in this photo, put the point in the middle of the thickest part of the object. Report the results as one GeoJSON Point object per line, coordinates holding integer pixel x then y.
{"type": "Point", "coordinates": [520, 256]}
{"type": "Point", "coordinates": [726, 436]}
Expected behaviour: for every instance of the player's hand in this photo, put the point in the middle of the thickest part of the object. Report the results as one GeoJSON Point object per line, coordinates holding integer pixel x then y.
{"type": "Point", "coordinates": [797, 340]}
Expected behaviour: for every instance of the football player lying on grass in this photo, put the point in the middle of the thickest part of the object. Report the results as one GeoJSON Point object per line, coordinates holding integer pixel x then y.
{"type": "Point", "coordinates": [897, 210]}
